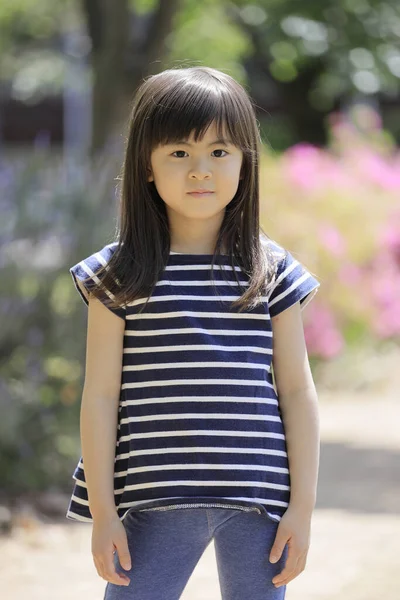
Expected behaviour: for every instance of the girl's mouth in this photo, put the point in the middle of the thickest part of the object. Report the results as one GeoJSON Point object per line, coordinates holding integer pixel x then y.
{"type": "Point", "coordinates": [200, 194]}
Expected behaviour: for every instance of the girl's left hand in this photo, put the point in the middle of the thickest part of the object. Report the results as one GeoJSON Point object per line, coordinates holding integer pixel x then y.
{"type": "Point", "coordinates": [293, 530]}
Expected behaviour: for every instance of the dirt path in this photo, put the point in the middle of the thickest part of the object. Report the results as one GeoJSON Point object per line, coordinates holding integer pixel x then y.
{"type": "Point", "coordinates": [354, 553]}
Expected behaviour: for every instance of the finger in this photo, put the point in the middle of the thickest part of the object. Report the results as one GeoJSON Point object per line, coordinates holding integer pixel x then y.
{"type": "Point", "coordinates": [124, 555]}
{"type": "Point", "coordinates": [299, 569]}
{"type": "Point", "coordinates": [287, 580]}
{"type": "Point", "coordinates": [108, 572]}
{"type": "Point", "coordinates": [112, 574]}
{"type": "Point", "coordinates": [278, 547]}
{"type": "Point", "coordinates": [290, 566]}
{"type": "Point", "coordinates": [98, 566]}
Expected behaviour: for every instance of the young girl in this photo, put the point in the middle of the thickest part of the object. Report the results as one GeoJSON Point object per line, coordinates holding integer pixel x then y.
{"type": "Point", "coordinates": [186, 436]}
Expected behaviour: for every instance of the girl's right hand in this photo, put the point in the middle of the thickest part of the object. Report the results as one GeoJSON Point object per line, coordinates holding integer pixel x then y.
{"type": "Point", "coordinates": [108, 535]}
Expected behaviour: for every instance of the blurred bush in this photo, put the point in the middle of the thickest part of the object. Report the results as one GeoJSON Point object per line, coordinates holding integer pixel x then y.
{"type": "Point", "coordinates": [337, 211]}
{"type": "Point", "coordinates": [54, 213]}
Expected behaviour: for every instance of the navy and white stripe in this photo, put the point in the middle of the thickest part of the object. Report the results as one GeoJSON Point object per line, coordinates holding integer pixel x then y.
{"type": "Point", "coordinates": [88, 268]}
{"type": "Point", "coordinates": [199, 417]}
{"type": "Point", "coordinates": [293, 284]}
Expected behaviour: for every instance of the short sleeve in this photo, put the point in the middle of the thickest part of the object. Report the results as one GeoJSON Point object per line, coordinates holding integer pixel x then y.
{"type": "Point", "coordinates": [85, 271]}
{"type": "Point", "coordinates": [293, 283]}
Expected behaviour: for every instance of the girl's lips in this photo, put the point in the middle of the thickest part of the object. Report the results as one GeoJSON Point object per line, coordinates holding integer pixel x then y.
{"type": "Point", "coordinates": [200, 193]}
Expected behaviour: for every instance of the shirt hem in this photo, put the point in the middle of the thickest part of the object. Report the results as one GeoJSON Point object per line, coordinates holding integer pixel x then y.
{"type": "Point", "coordinates": [176, 503]}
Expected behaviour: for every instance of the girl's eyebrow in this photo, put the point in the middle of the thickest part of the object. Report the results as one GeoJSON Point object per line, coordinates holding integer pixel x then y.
{"type": "Point", "coordinates": [219, 141]}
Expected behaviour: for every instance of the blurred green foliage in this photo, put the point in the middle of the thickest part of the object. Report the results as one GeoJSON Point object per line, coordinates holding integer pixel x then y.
{"type": "Point", "coordinates": [323, 53]}
{"type": "Point", "coordinates": [46, 208]}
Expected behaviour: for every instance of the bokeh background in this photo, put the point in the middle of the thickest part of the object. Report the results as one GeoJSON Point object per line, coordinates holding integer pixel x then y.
{"type": "Point", "coordinates": [325, 77]}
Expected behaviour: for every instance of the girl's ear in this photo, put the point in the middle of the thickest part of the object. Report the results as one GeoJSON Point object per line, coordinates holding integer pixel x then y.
{"type": "Point", "coordinates": [149, 175]}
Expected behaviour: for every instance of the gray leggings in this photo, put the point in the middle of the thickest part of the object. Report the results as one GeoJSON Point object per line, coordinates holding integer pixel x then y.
{"type": "Point", "coordinates": [165, 547]}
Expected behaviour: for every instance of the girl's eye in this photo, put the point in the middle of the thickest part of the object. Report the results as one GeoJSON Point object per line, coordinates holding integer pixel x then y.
{"type": "Point", "coordinates": [218, 150]}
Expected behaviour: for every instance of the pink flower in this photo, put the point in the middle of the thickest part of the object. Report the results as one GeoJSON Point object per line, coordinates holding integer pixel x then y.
{"type": "Point", "coordinates": [350, 274]}
{"type": "Point", "coordinates": [384, 288]}
{"type": "Point", "coordinates": [378, 169]}
{"type": "Point", "coordinates": [322, 335]}
{"type": "Point", "coordinates": [311, 168]}
{"type": "Point", "coordinates": [301, 165]}
{"type": "Point", "coordinates": [332, 239]}
{"type": "Point", "coordinates": [390, 239]}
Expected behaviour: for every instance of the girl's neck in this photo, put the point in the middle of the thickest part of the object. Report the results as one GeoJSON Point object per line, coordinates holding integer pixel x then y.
{"type": "Point", "coordinates": [199, 251]}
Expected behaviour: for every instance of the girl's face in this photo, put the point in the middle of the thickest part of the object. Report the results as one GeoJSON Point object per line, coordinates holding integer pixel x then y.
{"type": "Point", "coordinates": [180, 168]}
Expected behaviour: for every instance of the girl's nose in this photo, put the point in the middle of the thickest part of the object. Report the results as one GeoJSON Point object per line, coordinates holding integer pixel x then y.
{"type": "Point", "coordinates": [200, 171]}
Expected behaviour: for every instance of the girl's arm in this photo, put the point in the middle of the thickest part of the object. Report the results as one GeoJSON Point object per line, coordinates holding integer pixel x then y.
{"type": "Point", "coordinates": [99, 408]}
{"type": "Point", "coordinates": [299, 406]}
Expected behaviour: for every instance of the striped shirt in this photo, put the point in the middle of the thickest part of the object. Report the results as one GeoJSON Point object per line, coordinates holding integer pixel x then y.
{"type": "Point", "coordinates": [198, 419]}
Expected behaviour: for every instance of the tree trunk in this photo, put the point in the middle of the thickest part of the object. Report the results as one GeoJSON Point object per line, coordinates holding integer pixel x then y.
{"type": "Point", "coordinates": [108, 27]}
{"type": "Point", "coordinates": [125, 48]}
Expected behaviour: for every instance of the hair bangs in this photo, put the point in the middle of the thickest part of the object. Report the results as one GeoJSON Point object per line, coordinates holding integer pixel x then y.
{"type": "Point", "coordinates": [176, 116]}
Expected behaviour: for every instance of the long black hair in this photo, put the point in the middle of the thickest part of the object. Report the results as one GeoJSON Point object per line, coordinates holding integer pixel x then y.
{"type": "Point", "coordinates": [168, 107]}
